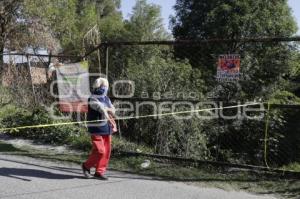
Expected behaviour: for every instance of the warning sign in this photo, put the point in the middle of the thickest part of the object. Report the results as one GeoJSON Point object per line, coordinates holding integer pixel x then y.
{"type": "Point", "coordinates": [228, 67]}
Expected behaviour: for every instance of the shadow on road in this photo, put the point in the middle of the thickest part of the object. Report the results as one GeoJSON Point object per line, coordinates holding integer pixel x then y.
{"type": "Point", "coordinates": [19, 173]}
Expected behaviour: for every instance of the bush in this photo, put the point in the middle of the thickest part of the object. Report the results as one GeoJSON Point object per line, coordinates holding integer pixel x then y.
{"type": "Point", "coordinates": [81, 141]}
{"type": "Point", "coordinates": [185, 138]}
{"type": "Point", "coordinates": [71, 135]}
{"type": "Point", "coordinates": [51, 135]}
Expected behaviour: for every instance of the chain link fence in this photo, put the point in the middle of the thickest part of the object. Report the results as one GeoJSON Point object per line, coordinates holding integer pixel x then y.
{"type": "Point", "coordinates": [157, 78]}
{"type": "Point", "coordinates": [181, 76]}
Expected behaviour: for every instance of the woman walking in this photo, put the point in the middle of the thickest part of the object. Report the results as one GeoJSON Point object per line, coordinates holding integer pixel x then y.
{"type": "Point", "coordinates": [101, 112]}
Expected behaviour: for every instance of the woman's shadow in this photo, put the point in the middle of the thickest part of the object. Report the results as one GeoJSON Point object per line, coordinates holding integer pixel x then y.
{"type": "Point", "coordinates": [19, 173]}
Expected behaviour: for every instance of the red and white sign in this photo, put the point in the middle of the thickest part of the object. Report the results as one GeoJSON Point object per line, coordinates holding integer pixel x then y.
{"type": "Point", "coordinates": [228, 67]}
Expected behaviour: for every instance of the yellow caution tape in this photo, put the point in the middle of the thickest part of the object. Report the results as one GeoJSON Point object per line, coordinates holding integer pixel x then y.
{"type": "Point", "coordinates": [126, 118]}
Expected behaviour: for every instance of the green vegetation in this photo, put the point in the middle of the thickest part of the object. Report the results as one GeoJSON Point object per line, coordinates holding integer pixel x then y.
{"type": "Point", "coordinates": [293, 167]}
{"type": "Point", "coordinates": [264, 77]}
{"type": "Point", "coordinates": [71, 135]}
{"type": "Point", "coordinates": [74, 136]}
{"type": "Point", "coordinates": [271, 72]}
{"type": "Point", "coordinates": [170, 70]}
{"type": "Point", "coordinates": [57, 25]}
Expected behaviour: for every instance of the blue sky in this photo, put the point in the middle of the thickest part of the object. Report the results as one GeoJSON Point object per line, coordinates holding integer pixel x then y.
{"type": "Point", "coordinates": [167, 9]}
{"type": "Point", "coordinates": [295, 5]}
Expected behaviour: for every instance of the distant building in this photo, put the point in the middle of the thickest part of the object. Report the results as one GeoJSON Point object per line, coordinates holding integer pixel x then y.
{"type": "Point", "coordinates": [21, 59]}
{"type": "Point", "coordinates": [37, 73]}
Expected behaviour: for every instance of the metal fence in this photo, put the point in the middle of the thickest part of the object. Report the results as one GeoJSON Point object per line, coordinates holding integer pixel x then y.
{"type": "Point", "coordinates": [209, 121]}
{"type": "Point", "coordinates": [181, 76]}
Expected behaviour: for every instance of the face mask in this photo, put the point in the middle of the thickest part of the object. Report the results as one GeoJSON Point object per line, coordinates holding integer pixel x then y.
{"type": "Point", "coordinates": [101, 91]}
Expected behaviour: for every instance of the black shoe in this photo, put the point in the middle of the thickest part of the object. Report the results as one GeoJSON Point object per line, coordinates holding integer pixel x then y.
{"type": "Point", "coordinates": [86, 172]}
{"type": "Point", "coordinates": [100, 176]}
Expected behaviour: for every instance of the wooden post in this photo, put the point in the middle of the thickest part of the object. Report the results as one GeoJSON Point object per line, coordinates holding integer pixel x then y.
{"type": "Point", "coordinates": [32, 86]}
{"type": "Point", "coordinates": [99, 60]}
{"type": "Point", "coordinates": [107, 61]}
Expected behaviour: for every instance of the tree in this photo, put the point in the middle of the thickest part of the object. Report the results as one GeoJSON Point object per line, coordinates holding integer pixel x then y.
{"type": "Point", "coordinates": [109, 19]}
{"type": "Point", "coordinates": [69, 20]}
{"type": "Point", "coordinates": [154, 69]}
{"type": "Point", "coordinates": [145, 23]}
{"type": "Point", "coordinates": [266, 67]}
{"type": "Point", "coordinates": [9, 13]}
{"type": "Point", "coordinates": [232, 19]}
{"type": "Point", "coordinates": [237, 19]}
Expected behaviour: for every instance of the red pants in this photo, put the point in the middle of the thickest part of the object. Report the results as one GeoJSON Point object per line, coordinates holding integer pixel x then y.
{"type": "Point", "coordinates": [100, 153]}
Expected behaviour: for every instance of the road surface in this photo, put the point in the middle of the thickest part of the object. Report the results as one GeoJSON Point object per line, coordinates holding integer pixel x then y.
{"type": "Point", "coordinates": [24, 177]}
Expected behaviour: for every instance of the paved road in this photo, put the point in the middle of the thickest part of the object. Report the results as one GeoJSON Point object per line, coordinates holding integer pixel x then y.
{"type": "Point", "coordinates": [23, 177]}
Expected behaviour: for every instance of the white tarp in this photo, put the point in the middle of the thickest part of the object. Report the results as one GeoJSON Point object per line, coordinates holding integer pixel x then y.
{"type": "Point", "coordinates": [73, 86]}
